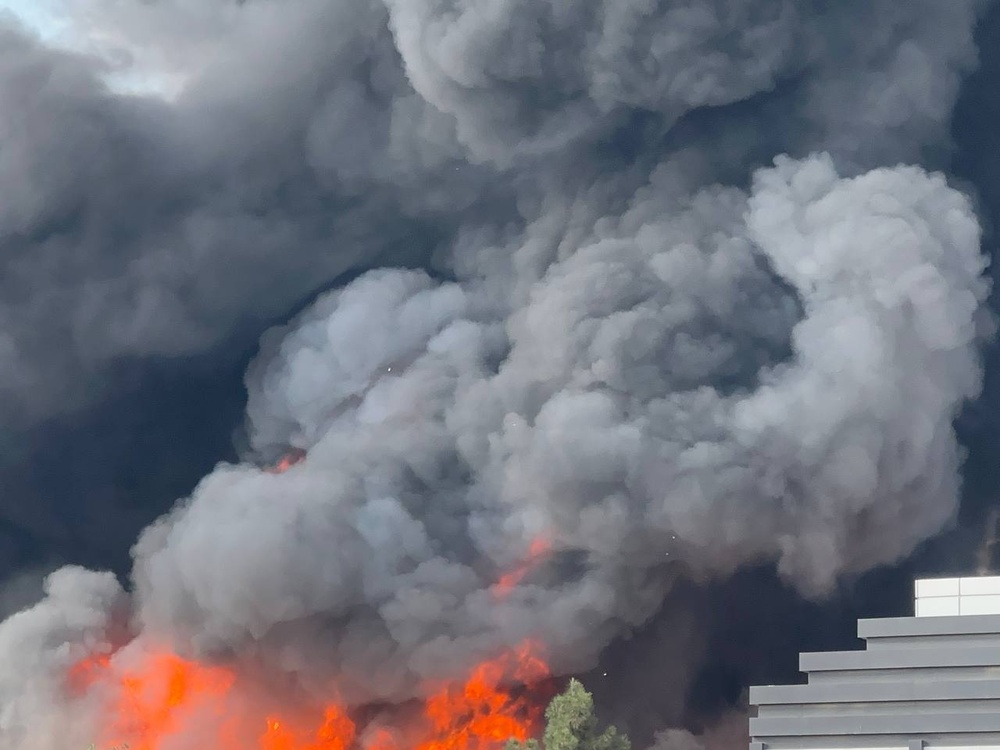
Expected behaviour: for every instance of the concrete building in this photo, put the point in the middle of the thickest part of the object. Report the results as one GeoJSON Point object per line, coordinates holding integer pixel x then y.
{"type": "Point", "coordinates": [928, 681]}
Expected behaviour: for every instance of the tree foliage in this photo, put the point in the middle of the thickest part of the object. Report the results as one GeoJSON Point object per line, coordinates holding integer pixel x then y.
{"type": "Point", "coordinates": [571, 724]}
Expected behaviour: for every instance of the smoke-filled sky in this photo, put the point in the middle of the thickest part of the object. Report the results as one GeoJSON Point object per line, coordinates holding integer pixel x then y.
{"type": "Point", "coordinates": [698, 293]}
{"type": "Point", "coordinates": [32, 14]}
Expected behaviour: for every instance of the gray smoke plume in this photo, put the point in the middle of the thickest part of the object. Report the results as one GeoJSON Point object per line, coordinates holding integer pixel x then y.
{"type": "Point", "coordinates": [609, 412]}
{"type": "Point", "coordinates": [647, 281]}
{"type": "Point", "coordinates": [147, 229]}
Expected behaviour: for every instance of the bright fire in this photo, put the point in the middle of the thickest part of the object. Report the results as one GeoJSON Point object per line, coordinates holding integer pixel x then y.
{"type": "Point", "coordinates": [166, 701]}
{"type": "Point", "coordinates": [539, 549]}
{"type": "Point", "coordinates": [160, 701]}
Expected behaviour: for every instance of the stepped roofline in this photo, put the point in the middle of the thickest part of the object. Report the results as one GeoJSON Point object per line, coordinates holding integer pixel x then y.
{"type": "Point", "coordinates": [928, 681]}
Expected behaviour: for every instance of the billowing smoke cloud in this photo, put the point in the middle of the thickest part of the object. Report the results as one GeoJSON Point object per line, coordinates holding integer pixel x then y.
{"type": "Point", "coordinates": [646, 282]}
{"type": "Point", "coordinates": [144, 229]}
{"type": "Point", "coordinates": [39, 647]}
{"type": "Point", "coordinates": [636, 410]}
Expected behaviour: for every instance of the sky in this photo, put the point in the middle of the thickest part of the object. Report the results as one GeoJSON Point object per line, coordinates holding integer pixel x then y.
{"type": "Point", "coordinates": [36, 14]}
{"type": "Point", "coordinates": [49, 20]}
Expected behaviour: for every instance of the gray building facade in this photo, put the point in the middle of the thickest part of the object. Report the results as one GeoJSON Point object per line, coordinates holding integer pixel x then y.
{"type": "Point", "coordinates": [922, 682]}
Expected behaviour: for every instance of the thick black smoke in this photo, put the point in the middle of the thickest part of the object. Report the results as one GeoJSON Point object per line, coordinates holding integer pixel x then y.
{"type": "Point", "coordinates": [676, 288]}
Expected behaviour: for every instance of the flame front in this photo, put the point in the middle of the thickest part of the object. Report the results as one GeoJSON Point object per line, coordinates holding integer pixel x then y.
{"type": "Point", "coordinates": [160, 701]}
{"type": "Point", "coordinates": [336, 732]}
{"type": "Point", "coordinates": [165, 701]}
{"type": "Point", "coordinates": [478, 715]}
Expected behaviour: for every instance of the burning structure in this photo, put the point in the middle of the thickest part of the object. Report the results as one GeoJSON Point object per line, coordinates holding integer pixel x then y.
{"type": "Point", "coordinates": [562, 302]}
{"type": "Point", "coordinates": [924, 681]}
{"type": "Point", "coordinates": [157, 699]}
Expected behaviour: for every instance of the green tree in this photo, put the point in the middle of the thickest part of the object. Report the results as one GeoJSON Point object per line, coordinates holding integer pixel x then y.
{"type": "Point", "coordinates": [571, 724]}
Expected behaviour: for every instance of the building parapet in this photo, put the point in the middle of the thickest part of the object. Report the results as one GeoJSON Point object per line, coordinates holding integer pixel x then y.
{"type": "Point", "coordinates": [927, 682]}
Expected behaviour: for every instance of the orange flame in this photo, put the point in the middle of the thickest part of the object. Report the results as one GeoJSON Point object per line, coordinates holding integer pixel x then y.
{"type": "Point", "coordinates": [539, 549]}
{"type": "Point", "coordinates": [479, 715]}
{"type": "Point", "coordinates": [290, 459]}
{"type": "Point", "coordinates": [166, 701]}
{"type": "Point", "coordinates": [336, 732]}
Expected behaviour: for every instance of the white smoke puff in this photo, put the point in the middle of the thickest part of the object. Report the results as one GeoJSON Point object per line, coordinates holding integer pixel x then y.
{"type": "Point", "coordinates": [886, 355]}
{"type": "Point", "coordinates": [38, 647]}
{"type": "Point", "coordinates": [733, 379]}
{"type": "Point", "coordinates": [385, 319]}
{"type": "Point", "coordinates": [841, 459]}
